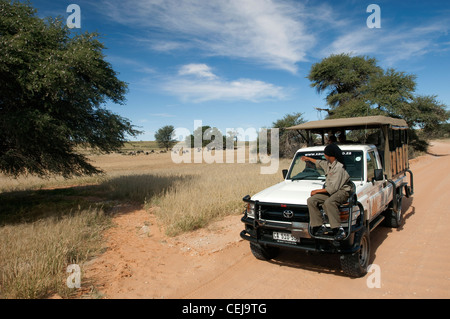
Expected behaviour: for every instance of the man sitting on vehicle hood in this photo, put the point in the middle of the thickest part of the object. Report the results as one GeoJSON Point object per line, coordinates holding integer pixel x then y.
{"type": "Point", "coordinates": [336, 192]}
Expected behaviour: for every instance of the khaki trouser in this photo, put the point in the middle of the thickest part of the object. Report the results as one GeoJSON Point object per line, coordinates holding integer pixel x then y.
{"type": "Point", "coordinates": [330, 204]}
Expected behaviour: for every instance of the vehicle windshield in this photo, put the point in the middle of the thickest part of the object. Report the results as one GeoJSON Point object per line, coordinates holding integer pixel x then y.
{"type": "Point", "coordinates": [307, 170]}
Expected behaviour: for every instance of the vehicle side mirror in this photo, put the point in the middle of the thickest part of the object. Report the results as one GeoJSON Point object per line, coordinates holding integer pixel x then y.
{"type": "Point", "coordinates": [378, 175]}
{"type": "Point", "coordinates": [285, 171]}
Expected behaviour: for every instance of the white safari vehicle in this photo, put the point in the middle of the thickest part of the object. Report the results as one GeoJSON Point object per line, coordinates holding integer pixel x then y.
{"type": "Point", "coordinates": [277, 217]}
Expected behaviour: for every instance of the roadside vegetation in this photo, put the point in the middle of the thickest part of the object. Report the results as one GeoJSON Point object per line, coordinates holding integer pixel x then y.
{"type": "Point", "coordinates": [48, 224]}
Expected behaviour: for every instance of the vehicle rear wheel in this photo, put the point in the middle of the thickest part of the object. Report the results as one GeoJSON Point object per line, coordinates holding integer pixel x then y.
{"type": "Point", "coordinates": [264, 252]}
{"type": "Point", "coordinates": [393, 218]}
{"type": "Point", "coordinates": [355, 265]}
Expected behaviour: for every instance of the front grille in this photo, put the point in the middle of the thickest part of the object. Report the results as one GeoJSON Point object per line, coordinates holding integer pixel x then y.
{"type": "Point", "coordinates": [275, 212]}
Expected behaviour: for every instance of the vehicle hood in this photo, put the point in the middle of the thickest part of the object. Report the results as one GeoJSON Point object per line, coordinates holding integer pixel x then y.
{"type": "Point", "coordinates": [288, 192]}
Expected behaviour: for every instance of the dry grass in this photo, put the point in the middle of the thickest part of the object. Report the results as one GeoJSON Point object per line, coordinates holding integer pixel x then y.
{"type": "Point", "coordinates": [207, 193]}
{"type": "Point", "coordinates": [187, 196]}
{"type": "Point", "coordinates": [34, 256]}
{"type": "Point", "coordinates": [43, 230]}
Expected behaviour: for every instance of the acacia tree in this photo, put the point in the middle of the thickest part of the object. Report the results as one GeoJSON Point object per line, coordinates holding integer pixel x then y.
{"type": "Point", "coordinates": [290, 141]}
{"type": "Point", "coordinates": [53, 86]}
{"type": "Point", "coordinates": [209, 136]}
{"type": "Point", "coordinates": [357, 86]}
{"type": "Point", "coordinates": [344, 78]}
{"type": "Point", "coordinates": [165, 137]}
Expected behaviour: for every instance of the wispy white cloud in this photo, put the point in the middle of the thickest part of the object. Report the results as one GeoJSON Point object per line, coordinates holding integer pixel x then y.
{"type": "Point", "coordinates": [196, 83]}
{"type": "Point", "coordinates": [271, 32]}
{"type": "Point", "coordinates": [277, 34]}
{"type": "Point", "coordinates": [389, 44]}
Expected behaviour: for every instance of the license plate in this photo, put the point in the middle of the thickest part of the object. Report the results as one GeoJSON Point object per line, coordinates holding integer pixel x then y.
{"type": "Point", "coordinates": [285, 237]}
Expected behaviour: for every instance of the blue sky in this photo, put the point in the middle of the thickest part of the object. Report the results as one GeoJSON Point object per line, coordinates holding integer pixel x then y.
{"type": "Point", "coordinates": [243, 63]}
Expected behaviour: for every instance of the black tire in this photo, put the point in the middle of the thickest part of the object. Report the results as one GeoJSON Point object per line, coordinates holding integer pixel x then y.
{"type": "Point", "coordinates": [393, 218]}
{"type": "Point", "coordinates": [264, 252]}
{"type": "Point", "coordinates": [355, 265]}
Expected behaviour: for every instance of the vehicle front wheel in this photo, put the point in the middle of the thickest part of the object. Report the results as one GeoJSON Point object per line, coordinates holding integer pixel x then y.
{"type": "Point", "coordinates": [264, 252]}
{"type": "Point", "coordinates": [355, 265]}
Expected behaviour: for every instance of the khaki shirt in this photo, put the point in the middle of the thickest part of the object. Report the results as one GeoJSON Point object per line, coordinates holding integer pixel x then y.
{"type": "Point", "coordinates": [337, 177]}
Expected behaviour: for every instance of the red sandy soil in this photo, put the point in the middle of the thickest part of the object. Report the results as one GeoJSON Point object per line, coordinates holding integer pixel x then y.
{"type": "Point", "coordinates": [414, 260]}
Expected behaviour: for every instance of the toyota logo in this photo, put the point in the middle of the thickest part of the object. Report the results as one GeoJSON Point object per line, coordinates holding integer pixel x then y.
{"type": "Point", "coordinates": [288, 214]}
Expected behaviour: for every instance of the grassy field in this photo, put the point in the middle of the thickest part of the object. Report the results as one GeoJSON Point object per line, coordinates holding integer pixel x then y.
{"type": "Point", "coordinates": [48, 224]}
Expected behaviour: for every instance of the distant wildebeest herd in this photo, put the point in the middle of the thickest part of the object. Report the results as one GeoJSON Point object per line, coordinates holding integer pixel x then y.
{"type": "Point", "coordinates": [174, 150]}
{"type": "Point", "coordinates": [141, 152]}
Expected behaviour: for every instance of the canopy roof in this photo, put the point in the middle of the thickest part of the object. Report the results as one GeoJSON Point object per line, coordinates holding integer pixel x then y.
{"type": "Point", "coordinates": [352, 123]}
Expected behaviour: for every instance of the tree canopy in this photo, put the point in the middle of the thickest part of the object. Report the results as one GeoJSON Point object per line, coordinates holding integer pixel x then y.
{"type": "Point", "coordinates": [53, 85]}
{"type": "Point", "coordinates": [210, 137]}
{"type": "Point", "coordinates": [343, 76]}
{"type": "Point", "coordinates": [165, 137]}
{"type": "Point", "coordinates": [289, 120]}
{"type": "Point", "coordinates": [289, 141]}
{"type": "Point", "coordinates": [357, 86]}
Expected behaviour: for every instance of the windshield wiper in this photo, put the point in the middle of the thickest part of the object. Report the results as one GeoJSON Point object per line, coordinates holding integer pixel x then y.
{"type": "Point", "coordinates": [296, 178]}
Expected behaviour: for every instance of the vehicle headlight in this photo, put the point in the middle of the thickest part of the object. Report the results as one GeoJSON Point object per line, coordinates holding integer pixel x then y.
{"type": "Point", "coordinates": [251, 210]}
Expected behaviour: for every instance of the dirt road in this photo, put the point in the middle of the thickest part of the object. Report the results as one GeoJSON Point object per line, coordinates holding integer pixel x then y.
{"type": "Point", "coordinates": [413, 261]}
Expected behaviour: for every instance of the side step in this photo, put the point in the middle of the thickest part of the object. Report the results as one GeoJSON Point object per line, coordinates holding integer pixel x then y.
{"type": "Point", "coordinates": [324, 237]}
